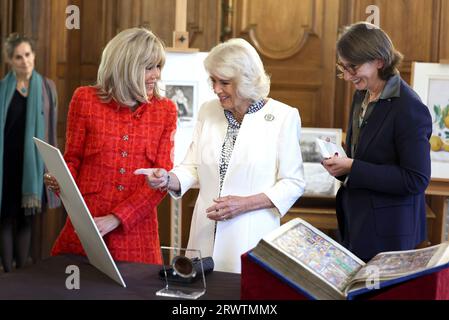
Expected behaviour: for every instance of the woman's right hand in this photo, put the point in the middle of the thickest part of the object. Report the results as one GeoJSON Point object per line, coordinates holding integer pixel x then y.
{"type": "Point", "coordinates": [157, 178]}
{"type": "Point", "coordinates": [51, 183]}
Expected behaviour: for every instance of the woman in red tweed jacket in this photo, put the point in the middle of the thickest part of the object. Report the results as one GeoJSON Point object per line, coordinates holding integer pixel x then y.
{"type": "Point", "coordinates": [113, 128]}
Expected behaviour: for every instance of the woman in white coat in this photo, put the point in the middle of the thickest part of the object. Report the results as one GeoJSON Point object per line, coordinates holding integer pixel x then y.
{"type": "Point", "coordinates": [245, 158]}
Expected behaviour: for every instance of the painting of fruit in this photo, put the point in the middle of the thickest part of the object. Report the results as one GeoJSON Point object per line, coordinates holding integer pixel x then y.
{"type": "Point", "coordinates": [438, 104]}
{"type": "Point", "coordinates": [439, 141]}
{"type": "Point", "coordinates": [441, 116]}
{"type": "Point", "coordinates": [431, 82]}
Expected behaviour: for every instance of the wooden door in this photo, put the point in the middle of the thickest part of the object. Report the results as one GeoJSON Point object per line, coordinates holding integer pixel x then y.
{"type": "Point", "coordinates": [296, 40]}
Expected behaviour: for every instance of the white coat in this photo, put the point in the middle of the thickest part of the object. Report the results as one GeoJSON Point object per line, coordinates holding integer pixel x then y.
{"type": "Point", "coordinates": [266, 159]}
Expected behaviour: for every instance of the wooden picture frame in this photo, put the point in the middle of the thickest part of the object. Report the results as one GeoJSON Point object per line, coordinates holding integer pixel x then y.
{"type": "Point", "coordinates": [431, 83]}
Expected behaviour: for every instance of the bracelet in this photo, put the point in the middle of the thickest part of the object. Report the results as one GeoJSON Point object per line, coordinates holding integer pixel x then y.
{"type": "Point", "coordinates": [165, 188]}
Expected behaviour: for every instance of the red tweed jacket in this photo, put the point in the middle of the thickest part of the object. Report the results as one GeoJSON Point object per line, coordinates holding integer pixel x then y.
{"type": "Point", "coordinates": [105, 143]}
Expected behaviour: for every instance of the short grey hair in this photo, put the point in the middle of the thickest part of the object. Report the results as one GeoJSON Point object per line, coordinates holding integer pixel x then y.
{"type": "Point", "coordinates": [13, 41]}
{"type": "Point", "coordinates": [364, 42]}
{"type": "Point", "coordinates": [121, 75]}
{"type": "Point", "coordinates": [237, 60]}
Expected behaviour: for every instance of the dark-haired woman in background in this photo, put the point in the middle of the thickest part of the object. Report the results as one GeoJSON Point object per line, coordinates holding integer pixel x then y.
{"type": "Point", "coordinates": [381, 204]}
{"type": "Point", "coordinates": [28, 106]}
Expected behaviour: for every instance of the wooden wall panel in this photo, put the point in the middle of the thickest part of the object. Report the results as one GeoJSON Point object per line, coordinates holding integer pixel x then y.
{"type": "Point", "coordinates": [444, 31]}
{"type": "Point", "coordinates": [297, 44]}
{"type": "Point", "coordinates": [6, 7]}
{"type": "Point", "coordinates": [293, 20]}
{"type": "Point", "coordinates": [308, 97]}
{"type": "Point", "coordinates": [202, 19]}
{"type": "Point", "coordinates": [59, 54]}
{"type": "Point", "coordinates": [158, 15]}
{"type": "Point", "coordinates": [92, 42]}
{"type": "Point", "coordinates": [203, 23]}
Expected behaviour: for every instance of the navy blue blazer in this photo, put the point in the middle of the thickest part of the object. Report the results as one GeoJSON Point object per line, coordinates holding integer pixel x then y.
{"type": "Point", "coordinates": [382, 207]}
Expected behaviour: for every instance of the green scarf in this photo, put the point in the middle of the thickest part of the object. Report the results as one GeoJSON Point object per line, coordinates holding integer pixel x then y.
{"type": "Point", "coordinates": [33, 166]}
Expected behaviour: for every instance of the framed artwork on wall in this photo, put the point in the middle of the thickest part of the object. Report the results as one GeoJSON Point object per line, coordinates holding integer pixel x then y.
{"type": "Point", "coordinates": [184, 95]}
{"type": "Point", "coordinates": [319, 183]}
{"type": "Point", "coordinates": [431, 83]}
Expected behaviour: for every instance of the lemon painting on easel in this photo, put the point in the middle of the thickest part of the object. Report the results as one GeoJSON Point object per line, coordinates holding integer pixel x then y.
{"type": "Point", "coordinates": [439, 141]}
{"type": "Point", "coordinates": [430, 80]}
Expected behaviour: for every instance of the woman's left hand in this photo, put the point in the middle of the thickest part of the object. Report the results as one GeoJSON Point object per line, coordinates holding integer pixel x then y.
{"type": "Point", "coordinates": [106, 224]}
{"type": "Point", "coordinates": [226, 208]}
{"type": "Point", "coordinates": [338, 166]}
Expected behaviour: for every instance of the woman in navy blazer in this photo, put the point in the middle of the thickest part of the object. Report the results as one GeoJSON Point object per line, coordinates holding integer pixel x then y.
{"type": "Point", "coordinates": [381, 203]}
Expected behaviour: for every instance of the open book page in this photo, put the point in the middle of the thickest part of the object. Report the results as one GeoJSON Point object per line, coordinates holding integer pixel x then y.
{"type": "Point", "coordinates": [317, 252]}
{"type": "Point", "coordinates": [395, 264]}
{"type": "Point", "coordinates": [328, 149]}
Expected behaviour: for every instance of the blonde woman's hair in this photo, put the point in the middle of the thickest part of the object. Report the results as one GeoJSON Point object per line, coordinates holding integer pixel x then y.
{"type": "Point", "coordinates": [121, 75]}
{"type": "Point", "coordinates": [237, 60]}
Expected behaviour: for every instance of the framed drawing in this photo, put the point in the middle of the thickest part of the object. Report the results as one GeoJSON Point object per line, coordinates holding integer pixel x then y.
{"type": "Point", "coordinates": [431, 82]}
{"type": "Point", "coordinates": [184, 95]}
{"type": "Point", "coordinates": [186, 71]}
{"type": "Point", "coordinates": [319, 183]}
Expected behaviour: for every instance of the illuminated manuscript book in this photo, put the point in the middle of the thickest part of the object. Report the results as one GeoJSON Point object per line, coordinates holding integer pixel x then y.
{"type": "Point", "coordinates": [321, 268]}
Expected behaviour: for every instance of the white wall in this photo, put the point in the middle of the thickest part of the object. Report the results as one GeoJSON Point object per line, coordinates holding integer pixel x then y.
{"type": "Point", "coordinates": [187, 68]}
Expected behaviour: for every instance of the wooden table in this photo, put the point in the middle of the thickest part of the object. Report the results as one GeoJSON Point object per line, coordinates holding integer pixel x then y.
{"type": "Point", "coordinates": [320, 212]}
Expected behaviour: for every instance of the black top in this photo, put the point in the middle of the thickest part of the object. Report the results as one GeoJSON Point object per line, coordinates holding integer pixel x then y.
{"type": "Point", "coordinates": [14, 136]}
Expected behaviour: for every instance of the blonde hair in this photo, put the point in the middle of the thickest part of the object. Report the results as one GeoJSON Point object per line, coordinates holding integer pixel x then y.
{"type": "Point", "coordinates": [121, 75]}
{"type": "Point", "coordinates": [238, 61]}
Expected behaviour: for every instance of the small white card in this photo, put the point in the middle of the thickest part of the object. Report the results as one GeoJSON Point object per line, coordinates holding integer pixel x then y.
{"type": "Point", "coordinates": [329, 149]}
